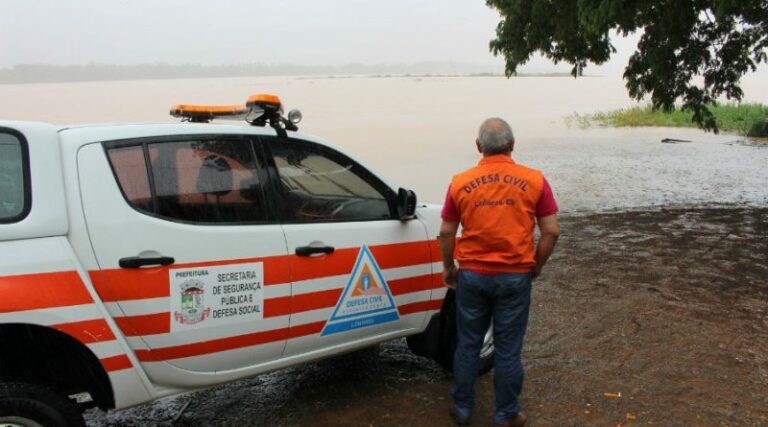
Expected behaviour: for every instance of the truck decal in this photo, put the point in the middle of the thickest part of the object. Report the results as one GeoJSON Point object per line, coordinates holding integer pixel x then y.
{"type": "Point", "coordinates": [217, 295]}
{"type": "Point", "coordinates": [365, 301]}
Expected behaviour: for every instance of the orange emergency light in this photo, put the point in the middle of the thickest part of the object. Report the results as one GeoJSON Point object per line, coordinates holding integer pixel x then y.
{"type": "Point", "coordinates": [206, 113]}
{"type": "Point", "coordinates": [260, 110]}
{"type": "Point", "coordinates": [264, 102]}
{"type": "Point", "coordinates": [267, 109]}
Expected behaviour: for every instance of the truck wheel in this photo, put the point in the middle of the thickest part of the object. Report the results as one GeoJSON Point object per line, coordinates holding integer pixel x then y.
{"type": "Point", "coordinates": [33, 405]}
{"type": "Point", "coordinates": [448, 338]}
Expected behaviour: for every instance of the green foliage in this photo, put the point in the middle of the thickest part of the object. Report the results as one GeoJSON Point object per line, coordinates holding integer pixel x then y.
{"type": "Point", "coordinates": [690, 50]}
{"type": "Point", "coordinates": [744, 119]}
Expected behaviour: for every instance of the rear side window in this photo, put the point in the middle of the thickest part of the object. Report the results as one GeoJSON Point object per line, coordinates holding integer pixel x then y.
{"type": "Point", "coordinates": [200, 181]}
{"type": "Point", "coordinates": [131, 171]}
{"type": "Point", "coordinates": [14, 177]}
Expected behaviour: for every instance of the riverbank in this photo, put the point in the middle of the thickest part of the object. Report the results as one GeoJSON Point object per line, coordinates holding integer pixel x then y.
{"type": "Point", "coordinates": [748, 119]}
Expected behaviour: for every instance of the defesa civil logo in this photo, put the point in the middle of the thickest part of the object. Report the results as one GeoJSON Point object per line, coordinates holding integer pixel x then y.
{"type": "Point", "coordinates": [365, 301]}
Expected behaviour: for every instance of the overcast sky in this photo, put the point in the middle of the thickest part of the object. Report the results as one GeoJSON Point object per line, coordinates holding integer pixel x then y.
{"type": "Point", "coordinates": [304, 32]}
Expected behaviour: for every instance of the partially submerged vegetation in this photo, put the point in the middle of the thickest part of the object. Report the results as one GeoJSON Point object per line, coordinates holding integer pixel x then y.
{"type": "Point", "coordinates": [744, 119]}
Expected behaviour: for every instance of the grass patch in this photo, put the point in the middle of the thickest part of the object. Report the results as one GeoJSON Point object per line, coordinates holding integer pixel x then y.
{"type": "Point", "coordinates": [744, 119]}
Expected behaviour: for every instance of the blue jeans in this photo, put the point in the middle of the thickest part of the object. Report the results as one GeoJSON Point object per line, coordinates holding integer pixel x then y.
{"type": "Point", "coordinates": [504, 298]}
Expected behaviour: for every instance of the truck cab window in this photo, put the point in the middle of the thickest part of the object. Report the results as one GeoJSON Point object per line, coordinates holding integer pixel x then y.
{"type": "Point", "coordinates": [319, 184]}
{"type": "Point", "coordinates": [200, 181]}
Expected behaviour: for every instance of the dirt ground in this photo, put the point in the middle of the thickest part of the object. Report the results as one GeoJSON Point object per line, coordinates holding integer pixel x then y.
{"type": "Point", "coordinates": [666, 311]}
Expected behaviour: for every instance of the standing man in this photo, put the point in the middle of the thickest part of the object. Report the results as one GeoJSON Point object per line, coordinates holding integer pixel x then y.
{"type": "Point", "coordinates": [498, 203]}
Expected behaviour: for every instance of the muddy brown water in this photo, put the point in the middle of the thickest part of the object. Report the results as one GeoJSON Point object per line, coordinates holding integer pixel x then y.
{"type": "Point", "coordinates": [419, 131]}
{"type": "Point", "coordinates": [665, 310]}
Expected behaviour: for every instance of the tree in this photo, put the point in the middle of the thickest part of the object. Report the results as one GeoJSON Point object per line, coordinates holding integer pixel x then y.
{"type": "Point", "coordinates": [691, 50]}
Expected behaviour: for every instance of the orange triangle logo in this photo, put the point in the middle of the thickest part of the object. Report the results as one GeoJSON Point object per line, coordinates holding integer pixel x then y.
{"type": "Point", "coordinates": [366, 283]}
{"type": "Point", "coordinates": [366, 299]}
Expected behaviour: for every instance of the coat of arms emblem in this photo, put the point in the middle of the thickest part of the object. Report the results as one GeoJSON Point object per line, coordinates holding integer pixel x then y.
{"type": "Point", "coordinates": [193, 308]}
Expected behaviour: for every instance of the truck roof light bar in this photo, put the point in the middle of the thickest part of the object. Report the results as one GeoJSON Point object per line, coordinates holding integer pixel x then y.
{"type": "Point", "coordinates": [260, 109]}
{"type": "Point", "coordinates": [206, 113]}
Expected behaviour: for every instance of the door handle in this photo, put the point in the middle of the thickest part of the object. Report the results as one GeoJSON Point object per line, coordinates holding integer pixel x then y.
{"type": "Point", "coordinates": [311, 250]}
{"type": "Point", "coordinates": [138, 261]}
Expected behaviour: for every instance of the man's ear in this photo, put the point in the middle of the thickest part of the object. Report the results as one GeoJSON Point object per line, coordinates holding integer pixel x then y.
{"type": "Point", "coordinates": [479, 147]}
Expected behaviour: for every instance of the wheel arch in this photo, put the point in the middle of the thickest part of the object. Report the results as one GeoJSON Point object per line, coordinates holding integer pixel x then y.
{"type": "Point", "coordinates": [41, 354]}
{"type": "Point", "coordinates": [428, 342]}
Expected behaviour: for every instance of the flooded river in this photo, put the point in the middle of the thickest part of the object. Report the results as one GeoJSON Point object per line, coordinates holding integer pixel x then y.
{"type": "Point", "coordinates": [419, 131]}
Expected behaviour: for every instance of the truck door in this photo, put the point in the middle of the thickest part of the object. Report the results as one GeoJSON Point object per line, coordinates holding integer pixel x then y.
{"type": "Point", "coordinates": [359, 274]}
{"type": "Point", "coordinates": [188, 250]}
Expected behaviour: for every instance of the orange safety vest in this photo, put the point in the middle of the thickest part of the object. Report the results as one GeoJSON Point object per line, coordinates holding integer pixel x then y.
{"type": "Point", "coordinates": [497, 202]}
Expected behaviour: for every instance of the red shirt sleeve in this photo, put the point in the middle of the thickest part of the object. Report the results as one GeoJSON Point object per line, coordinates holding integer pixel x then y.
{"type": "Point", "coordinates": [449, 213]}
{"type": "Point", "coordinates": [547, 205]}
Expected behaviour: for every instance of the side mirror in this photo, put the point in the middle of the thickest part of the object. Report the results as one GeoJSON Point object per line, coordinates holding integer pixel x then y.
{"type": "Point", "coordinates": [406, 204]}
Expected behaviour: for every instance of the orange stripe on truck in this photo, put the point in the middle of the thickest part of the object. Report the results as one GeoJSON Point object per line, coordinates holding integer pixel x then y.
{"type": "Point", "coordinates": [416, 307]}
{"type": "Point", "coordinates": [315, 300]}
{"type": "Point", "coordinates": [147, 324]}
{"type": "Point", "coordinates": [257, 338]}
{"type": "Point", "coordinates": [212, 346]}
{"type": "Point", "coordinates": [230, 343]}
{"type": "Point", "coordinates": [413, 284]}
{"type": "Point", "coordinates": [275, 307]}
{"type": "Point", "coordinates": [87, 331]}
{"type": "Point", "coordinates": [401, 254]}
{"type": "Point", "coordinates": [42, 290]}
{"type": "Point", "coordinates": [306, 329]}
{"type": "Point", "coordinates": [116, 363]}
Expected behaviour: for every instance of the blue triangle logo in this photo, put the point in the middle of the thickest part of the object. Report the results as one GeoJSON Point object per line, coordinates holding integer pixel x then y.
{"type": "Point", "coordinates": [365, 301]}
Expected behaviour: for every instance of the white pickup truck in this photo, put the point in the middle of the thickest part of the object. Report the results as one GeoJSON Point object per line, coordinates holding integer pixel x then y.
{"type": "Point", "coordinates": [139, 261]}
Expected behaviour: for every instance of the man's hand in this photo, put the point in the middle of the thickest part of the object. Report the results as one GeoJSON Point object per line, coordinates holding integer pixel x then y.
{"type": "Point", "coordinates": [447, 240]}
{"type": "Point", "coordinates": [550, 230]}
{"type": "Point", "coordinates": [449, 276]}
{"type": "Point", "coordinates": [536, 272]}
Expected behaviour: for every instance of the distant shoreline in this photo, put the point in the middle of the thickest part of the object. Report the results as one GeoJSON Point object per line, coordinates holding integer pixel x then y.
{"type": "Point", "coordinates": [427, 76]}
{"type": "Point", "coordinates": [37, 74]}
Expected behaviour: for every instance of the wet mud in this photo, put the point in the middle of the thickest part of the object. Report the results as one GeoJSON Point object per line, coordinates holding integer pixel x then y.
{"type": "Point", "coordinates": [641, 318]}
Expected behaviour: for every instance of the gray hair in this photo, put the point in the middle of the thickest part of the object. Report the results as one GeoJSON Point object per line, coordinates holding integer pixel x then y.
{"type": "Point", "coordinates": [495, 136]}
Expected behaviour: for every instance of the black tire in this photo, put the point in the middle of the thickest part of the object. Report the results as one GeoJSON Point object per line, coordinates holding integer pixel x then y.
{"type": "Point", "coordinates": [32, 404]}
{"type": "Point", "coordinates": [448, 338]}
